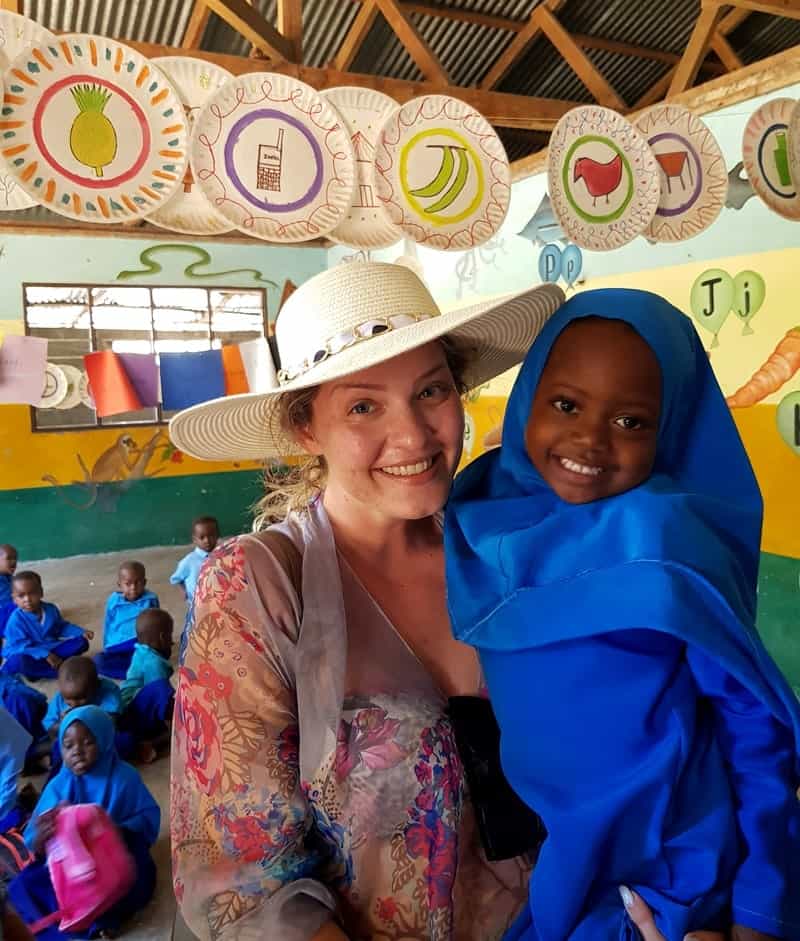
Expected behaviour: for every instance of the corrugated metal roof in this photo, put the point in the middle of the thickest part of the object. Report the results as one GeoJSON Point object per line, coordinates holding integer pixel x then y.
{"type": "Point", "coordinates": [161, 21]}
{"type": "Point", "coordinates": [762, 35]}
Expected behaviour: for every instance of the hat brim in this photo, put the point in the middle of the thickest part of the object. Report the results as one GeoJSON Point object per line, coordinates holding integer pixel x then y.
{"type": "Point", "coordinates": [243, 428]}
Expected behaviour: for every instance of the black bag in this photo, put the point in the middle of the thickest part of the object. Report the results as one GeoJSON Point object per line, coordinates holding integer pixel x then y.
{"type": "Point", "coordinates": [507, 826]}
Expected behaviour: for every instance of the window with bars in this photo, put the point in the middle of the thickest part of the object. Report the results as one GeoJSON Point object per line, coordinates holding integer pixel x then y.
{"type": "Point", "coordinates": [77, 319]}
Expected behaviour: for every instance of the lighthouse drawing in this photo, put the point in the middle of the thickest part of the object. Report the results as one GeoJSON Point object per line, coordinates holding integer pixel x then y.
{"type": "Point", "coordinates": [270, 164]}
{"type": "Point", "coordinates": [365, 154]}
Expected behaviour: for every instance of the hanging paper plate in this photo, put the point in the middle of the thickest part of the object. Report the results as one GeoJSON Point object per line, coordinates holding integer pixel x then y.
{"type": "Point", "coordinates": [92, 130]}
{"type": "Point", "coordinates": [603, 178]}
{"type": "Point", "coordinates": [274, 158]}
{"type": "Point", "coordinates": [765, 153]}
{"type": "Point", "coordinates": [694, 179]}
{"type": "Point", "coordinates": [364, 112]}
{"type": "Point", "coordinates": [85, 391]}
{"type": "Point", "coordinates": [73, 394]}
{"type": "Point", "coordinates": [442, 173]}
{"type": "Point", "coordinates": [17, 32]}
{"type": "Point", "coordinates": [187, 210]}
{"type": "Point", "coordinates": [55, 386]}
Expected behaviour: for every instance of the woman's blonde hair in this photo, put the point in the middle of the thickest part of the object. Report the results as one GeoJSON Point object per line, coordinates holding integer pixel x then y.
{"type": "Point", "coordinates": [292, 487]}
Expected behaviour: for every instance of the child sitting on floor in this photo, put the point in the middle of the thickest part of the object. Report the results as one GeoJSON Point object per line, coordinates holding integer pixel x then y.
{"type": "Point", "coordinates": [119, 627]}
{"type": "Point", "coordinates": [92, 773]}
{"type": "Point", "coordinates": [79, 685]}
{"type": "Point", "coordinates": [604, 563]}
{"type": "Point", "coordinates": [147, 694]}
{"type": "Point", "coordinates": [38, 639]}
{"type": "Point", "coordinates": [8, 565]}
{"type": "Point", "coordinates": [205, 536]}
{"type": "Point", "coordinates": [28, 706]}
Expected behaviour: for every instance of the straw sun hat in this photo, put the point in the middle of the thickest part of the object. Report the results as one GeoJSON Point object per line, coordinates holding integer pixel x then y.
{"type": "Point", "coordinates": [349, 318]}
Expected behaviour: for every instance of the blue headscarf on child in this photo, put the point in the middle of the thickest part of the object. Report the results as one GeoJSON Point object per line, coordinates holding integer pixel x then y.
{"type": "Point", "coordinates": [112, 783]}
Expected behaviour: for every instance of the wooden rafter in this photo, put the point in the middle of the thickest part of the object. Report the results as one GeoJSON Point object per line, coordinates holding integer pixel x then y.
{"type": "Point", "coordinates": [789, 8]}
{"type": "Point", "coordinates": [258, 31]}
{"type": "Point", "coordinates": [356, 35]}
{"type": "Point", "coordinates": [518, 45]}
{"type": "Point", "coordinates": [425, 58]}
{"type": "Point", "coordinates": [12, 5]}
{"type": "Point", "coordinates": [733, 19]}
{"type": "Point", "coordinates": [578, 61]}
{"type": "Point", "coordinates": [499, 108]}
{"type": "Point", "coordinates": [464, 16]}
{"type": "Point", "coordinates": [196, 27]}
{"type": "Point", "coordinates": [696, 49]}
{"type": "Point", "coordinates": [656, 91]}
{"type": "Point", "coordinates": [290, 26]}
{"type": "Point", "coordinates": [726, 53]}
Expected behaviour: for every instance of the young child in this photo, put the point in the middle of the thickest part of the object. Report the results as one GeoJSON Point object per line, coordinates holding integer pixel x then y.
{"type": "Point", "coordinates": [8, 565]}
{"type": "Point", "coordinates": [79, 685]}
{"type": "Point", "coordinates": [148, 698]}
{"type": "Point", "coordinates": [119, 627]}
{"type": "Point", "coordinates": [205, 536]}
{"type": "Point", "coordinates": [92, 773]}
{"type": "Point", "coordinates": [37, 637]}
{"type": "Point", "coordinates": [603, 562]}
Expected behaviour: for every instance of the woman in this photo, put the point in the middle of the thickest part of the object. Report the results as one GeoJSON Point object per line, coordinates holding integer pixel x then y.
{"type": "Point", "coordinates": [316, 789]}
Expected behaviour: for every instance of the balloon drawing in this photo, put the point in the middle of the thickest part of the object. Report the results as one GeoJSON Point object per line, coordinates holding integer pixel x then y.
{"type": "Point", "coordinates": [788, 418]}
{"type": "Point", "coordinates": [571, 264]}
{"type": "Point", "coordinates": [749, 293]}
{"type": "Point", "coordinates": [444, 185]}
{"type": "Point", "coordinates": [92, 139]}
{"type": "Point", "coordinates": [711, 300]}
{"type": "Point", "coordinates": [550, 263]}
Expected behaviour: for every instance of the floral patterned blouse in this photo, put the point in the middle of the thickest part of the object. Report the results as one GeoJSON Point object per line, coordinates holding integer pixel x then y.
{"type": "Point", "coordinates": [314, 770]}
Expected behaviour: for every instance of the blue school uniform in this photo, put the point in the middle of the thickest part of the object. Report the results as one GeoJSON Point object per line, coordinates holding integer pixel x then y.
{"type": "Point", "coordinates": [6, 604]}
{"type": "Point", "coordinates": [30, 638]}
{"type": "Point", "coordinates": [119, 632]}
{"type": "Point", "coordinates": [107, 698]}
{"type": "Point", "coordinates": [641, 715]}
{"type": "Point", "coordinates": [147, 694]}
{"type": "Point", "coordinates": [120, 791]}
{"type": "Point", "coordinates": [14, 743]}
{"type": "Point", "coordinates": [188, 571]}
{"type": "Point", "coordinates": [27, 705]}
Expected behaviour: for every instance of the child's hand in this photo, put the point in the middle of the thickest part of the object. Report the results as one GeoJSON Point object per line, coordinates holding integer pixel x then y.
{"type": "Point", "coordinates": [89, 634]}
{"type": "Point", "coordinates": [45, 829]}
{"type": "Point", "coordinates": [54, 660]}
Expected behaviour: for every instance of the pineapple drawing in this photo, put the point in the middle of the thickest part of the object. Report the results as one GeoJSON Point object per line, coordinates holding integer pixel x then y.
{"type": "Point", "coordinates": [92, 139]}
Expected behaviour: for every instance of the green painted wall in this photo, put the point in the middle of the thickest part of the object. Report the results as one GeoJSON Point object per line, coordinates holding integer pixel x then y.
{"type": "Point", "coordinates": [158, 512]}
{"type": "Point", "coordinates": [779, 612]}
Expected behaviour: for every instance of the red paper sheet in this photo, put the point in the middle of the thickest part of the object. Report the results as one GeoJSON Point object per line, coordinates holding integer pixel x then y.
{"type": "Point", "coordinates": [112, 391]}
{"type": "Point", "coordinates": [233, 368]}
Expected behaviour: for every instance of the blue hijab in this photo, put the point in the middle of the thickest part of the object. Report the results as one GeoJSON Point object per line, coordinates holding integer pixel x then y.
{"type": "Point", "coordinates": [112, 783]}
{"type": "Point", "coordinates": [677, 555]}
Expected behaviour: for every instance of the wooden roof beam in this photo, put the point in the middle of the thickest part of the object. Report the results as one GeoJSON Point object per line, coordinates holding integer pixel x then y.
{"type": "Point", "coordinates": [464, 16]}
{"type": "Point", "coordinates": [248, 22]}
{"type": "Point", "coordinates": [499, 108]}
{"type": "Point", "coordinates": [656, 91]}
{"type": "Point", "coordinates": [290, 26]}
{"type": "Point", "coordinates": [788, 8]}
{"type": "Point", "coordinates": [735, 18]}
{"type": "Point", "coordinates": [726, 53]}
{"type": "Point", "coordinates": [518, 45]}
{"type": "Point", "coordinates": [577, 60]}
{"type": "Point", "coordinates": [425, 58]}
{"type": "Point", "coordinates": [697, 47]}
{"type": "Point", "coordinates": [196, 27]}
{"type": "Point", "coordinates": [12, 5]}
{"type": "Point", "coordinates": [356, 35]}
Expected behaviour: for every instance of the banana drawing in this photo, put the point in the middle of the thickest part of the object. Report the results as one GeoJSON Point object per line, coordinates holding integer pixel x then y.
{"type": "Point", "coordinates": [437, 185]}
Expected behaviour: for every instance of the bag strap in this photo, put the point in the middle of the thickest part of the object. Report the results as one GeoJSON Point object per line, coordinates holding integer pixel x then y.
{"type": "Point", "coordinates": [37, 927]}
{"type": "Point", "coordinates": [286, 554]}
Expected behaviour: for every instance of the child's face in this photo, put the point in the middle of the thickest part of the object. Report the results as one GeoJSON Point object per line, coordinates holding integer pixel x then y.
{"type": "Point", "coordinates": [79, 749]}
{"type": "Point", "coordinates": [77, 692]}
{"type": "Point", "coordinates": [27, 594]}
{"type": "Point", "coordinates": [8, 561]}
{"type": "Point", "coordinates": [131, 583]}
{"type": "Point", "coordinates": [205, 536]}
{"type": "Point", "coordinates": [593, 427]}
{"type": "Point", "coordinates": [165, 643]}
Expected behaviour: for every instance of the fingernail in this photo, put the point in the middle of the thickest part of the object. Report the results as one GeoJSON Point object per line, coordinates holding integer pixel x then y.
{"type": "Point", "coordinates": [627, 896]}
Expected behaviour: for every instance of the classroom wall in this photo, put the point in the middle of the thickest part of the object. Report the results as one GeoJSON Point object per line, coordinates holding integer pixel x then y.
{"type": "Point", "coordinates": [49, 505]}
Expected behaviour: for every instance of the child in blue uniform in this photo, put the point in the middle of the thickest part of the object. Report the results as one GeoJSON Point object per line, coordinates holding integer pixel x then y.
{"type": "Point", "coordinates": [14, 744]}
{"type": "Point", "coordinates": [92, 773]}
{"type": "Point", "coordinates": [37, 637]}
{"type": "Point", "coordinates": [205, 536]}
{"type": "Point", "coordinates": [8, 565]}
{"type": "Point", "coordinates": [28, 706]}
{"type": "Point", "coordinates": [604, 564]}
{"type": "Point", "coordinates": [148, 698]}
{"type": "Point", "coordinates": [119, 626]}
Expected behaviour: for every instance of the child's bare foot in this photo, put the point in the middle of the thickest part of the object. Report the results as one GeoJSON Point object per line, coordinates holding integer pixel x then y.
{"type": "Point", "coordinates": [146, 753]}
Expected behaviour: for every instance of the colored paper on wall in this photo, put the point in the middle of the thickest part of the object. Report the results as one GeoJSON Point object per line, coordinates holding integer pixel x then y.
{"type": "Point", "coordinates": [112, 390]}
{"type": "Point", "coordinates": [258, 365]}
{"type": "Point", "coordinates": [190, 378]}
{"type": "Point", "coordinates": [22, 365]}
{"type": "Point", "coordinates": [233, 368]}
{"type": "Point", "coordinates": [142, 371]}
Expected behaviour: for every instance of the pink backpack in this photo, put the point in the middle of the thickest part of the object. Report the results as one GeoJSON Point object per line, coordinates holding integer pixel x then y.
{"type": "Point", "coordinates": [90, 867]}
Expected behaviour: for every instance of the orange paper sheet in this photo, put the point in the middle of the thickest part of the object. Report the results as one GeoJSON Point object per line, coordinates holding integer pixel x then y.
{"type": "Point", "coordinates": [112, 390]}
{"type": "Point", "coordinates": [233, 368]}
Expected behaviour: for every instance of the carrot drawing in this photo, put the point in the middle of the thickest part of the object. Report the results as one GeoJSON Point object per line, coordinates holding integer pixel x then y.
{"type": "Point", "coordinates": [775, 372]}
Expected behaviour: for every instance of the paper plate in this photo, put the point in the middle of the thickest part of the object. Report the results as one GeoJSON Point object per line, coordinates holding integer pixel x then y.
{"type": "Point", "coordinates": [603, 178]}
{"type": "Point", "coordinates": [17, 32]}
{"type": "Point", "coordinates": [187, 210]}
{"type": "Point", "coordinates": [442, 173]}
{"type": "Point", "coordinates": [85, 391]}
{"type": "Point", "coordinates": [765, 153]}
{"type": "Point", "coordinates": [364, 112]}
{"type": "Point", "coordinates": [92, 130]}
{"type": "Point", "coordinates": [794, 143]}
{"type": "Point", "coordinates": [55, 388]}
{"type": "Point", "coordinates": [273, 157]}
{"type": "Point", "coordinates": [73, 394]}
{"type": "Point", "coordinates": [694, 179]}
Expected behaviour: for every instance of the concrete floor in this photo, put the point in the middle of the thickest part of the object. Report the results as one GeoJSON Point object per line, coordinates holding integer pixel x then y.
{"type": "Point", "coordinates": [80, 586]}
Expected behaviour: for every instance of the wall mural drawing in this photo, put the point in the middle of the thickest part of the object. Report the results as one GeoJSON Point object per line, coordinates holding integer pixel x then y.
{"type": "Point", "coordinates": [202, 258]}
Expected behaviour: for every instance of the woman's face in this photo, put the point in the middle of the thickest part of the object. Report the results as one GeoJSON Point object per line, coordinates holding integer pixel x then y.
{"type": "Point", "coordinates": [391, 435]}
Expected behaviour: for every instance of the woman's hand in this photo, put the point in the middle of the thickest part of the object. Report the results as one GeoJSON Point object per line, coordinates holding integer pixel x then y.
{"type": "Point", "coordinates": [642, 917]}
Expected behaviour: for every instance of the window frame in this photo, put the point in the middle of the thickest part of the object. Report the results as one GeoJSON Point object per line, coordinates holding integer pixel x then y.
{"type": "Point", "coordinates": [89, 288]}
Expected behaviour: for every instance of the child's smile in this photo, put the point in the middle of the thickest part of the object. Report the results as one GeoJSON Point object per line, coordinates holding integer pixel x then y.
{"type": "Point", "coordinates": [593, 427]}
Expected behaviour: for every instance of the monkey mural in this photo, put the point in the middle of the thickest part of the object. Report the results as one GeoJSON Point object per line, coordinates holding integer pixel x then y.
{"type": "Point", "coordinates": [124, 462]}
